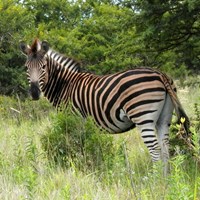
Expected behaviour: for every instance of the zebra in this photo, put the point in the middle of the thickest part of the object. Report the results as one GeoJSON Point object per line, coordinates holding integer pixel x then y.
{"type": "Point", "coordinates": [141, 97]}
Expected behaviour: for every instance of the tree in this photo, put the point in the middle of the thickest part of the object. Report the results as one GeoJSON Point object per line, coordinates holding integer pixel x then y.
{"type": "Point", "coordinates": [98, 33]}
{"type": "Point", "coordinates": [171, 26]}
{"type": "Point", "coordinates": [13, 20]}
{"type": "Point", "coordinates": [105, 41]}
{"type": "Point", "coordinates": [105, 35]}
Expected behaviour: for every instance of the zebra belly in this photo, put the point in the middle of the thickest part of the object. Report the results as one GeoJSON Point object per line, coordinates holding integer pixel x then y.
{"type": "Point", "coordinates": [122, 123]}
{"type": "Point", "coordinates": [121, 127]}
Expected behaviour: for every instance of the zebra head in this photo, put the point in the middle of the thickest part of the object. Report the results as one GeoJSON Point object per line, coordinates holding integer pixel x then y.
{"type": "Point", "coordinates": [36, 64]}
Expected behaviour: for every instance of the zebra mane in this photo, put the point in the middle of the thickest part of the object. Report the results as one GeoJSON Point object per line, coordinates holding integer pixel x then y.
{"type": "Point", "coordinates": [64, 61]}
{"type": "Point", "coordinates": [35, 47]}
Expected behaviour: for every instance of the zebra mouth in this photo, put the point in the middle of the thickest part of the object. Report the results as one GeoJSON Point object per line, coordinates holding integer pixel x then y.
{"type": "Point", "coordinates": [35, 91]}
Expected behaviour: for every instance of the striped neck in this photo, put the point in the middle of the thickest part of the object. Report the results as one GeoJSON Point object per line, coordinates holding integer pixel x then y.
{"type": "Point", "coordinates": [61, 71]}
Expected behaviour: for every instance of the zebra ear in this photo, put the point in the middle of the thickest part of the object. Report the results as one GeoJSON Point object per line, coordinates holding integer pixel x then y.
{"type": "Point", "coordinates": [45, 46]}
{"type": "Point", "coordinates": [24, 47]}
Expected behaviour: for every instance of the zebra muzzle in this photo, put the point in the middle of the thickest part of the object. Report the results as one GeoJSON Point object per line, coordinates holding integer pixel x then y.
{"type": "Point", "coordinates": [35, 90]}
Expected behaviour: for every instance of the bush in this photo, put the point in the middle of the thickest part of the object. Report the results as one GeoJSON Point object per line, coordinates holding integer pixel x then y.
{"type": "Point", "coordinates": [72, 141]}
{"type": "Point", "coordinates": [187, 145]}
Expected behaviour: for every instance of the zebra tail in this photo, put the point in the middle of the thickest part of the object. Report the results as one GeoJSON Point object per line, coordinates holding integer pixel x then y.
{"type": "Point", "coordinates": [182, 116]}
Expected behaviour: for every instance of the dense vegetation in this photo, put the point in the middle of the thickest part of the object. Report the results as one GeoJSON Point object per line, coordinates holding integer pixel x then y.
{"type": "Point", "coordinates": [105, 35]}
{"type": "Point", "coordinates": [45, 154]}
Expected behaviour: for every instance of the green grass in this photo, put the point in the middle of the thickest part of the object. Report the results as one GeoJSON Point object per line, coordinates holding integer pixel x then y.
{"type": "Point", "coordinates": [120, 170]}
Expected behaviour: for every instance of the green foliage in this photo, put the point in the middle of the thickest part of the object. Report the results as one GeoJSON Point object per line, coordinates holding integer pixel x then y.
{"type": "Point", "coordinates": [106, 36]}
{"type": "Point", "coordinates": [74, 142]}
{"type": "Point", "coordinates": [186, 149]}
{"type": "Point", "coordinates": [197, 117]}
{"type": "Point", "coordinates": [170, 26]}
{"type": "Point", "coordinates": [192, 81]}
{"type": "Point", "coordinates": [16, 109]}
{"type": "Point", "coordinates": [55, 155]}
{"type": "Point", "coordinates": [14, 19]}
{"type": "Point", "coordinates": [179, 183]}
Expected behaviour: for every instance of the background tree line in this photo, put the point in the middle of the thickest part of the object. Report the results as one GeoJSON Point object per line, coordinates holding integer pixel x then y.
{"type": "Point", "coordinates": [105, 35]}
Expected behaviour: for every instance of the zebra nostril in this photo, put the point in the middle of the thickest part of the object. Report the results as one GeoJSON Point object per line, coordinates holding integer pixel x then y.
{"type": "Point", "coordinates": [35, 90]}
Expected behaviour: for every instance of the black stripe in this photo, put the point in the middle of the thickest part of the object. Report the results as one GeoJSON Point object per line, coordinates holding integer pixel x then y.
{"type": "Point", "coordinates": [147, 130]}
{"type": "Point", "coordinates": [140, 103]}
{"type": "Point", "coordinates": [151, 142]}
{"type": "Point", "coordinates": [145, 122]}
{"type": "Point", "coordinates": [155, 149]}
{"type": "Point", "coordinates": [108, 78]}
{"type": "Point", "coordinates": [50, 87]}
{"type": "Point", "coordinates": [61, 82]}
{"type": "Point", "coordinates": [88, 90]}
{"type": "Point", "coordinates": [64, 60]}
{"type": "Point", "coordinates": [152, 147]}
{"type": "Point", "coordinates": [92, 106]}
{"type": "Point", "coordinates": [138, 93]}
{"type": "Point", "coordinates": [142, 113]}
{"type": "Point", "coordinates": [80, 100]}
{"type": "Point", "coordinates": [148, 136]}
{"type": "Point", "coordinates": [82, 91]}
{"type": "Point", "coordinates": [56, 88]}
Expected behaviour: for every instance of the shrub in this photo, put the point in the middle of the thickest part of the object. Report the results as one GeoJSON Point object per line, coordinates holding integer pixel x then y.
{"type": "Point", "coordinates": [187, 146]}
{"type": "Point", "coordinates": [72, 141]}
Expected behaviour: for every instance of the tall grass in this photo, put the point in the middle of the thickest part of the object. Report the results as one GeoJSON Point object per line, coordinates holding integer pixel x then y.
{"type": "Point", "coordinates": [45, 154]}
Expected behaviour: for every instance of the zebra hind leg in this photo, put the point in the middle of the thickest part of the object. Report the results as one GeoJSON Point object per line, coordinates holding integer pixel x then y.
{"type": "Point", "coordinates": [162, 127]}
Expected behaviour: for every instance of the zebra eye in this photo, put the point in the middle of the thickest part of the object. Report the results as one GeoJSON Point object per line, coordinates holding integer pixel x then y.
{"type": "Point", "coordinates": [43, 66]}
